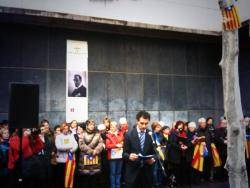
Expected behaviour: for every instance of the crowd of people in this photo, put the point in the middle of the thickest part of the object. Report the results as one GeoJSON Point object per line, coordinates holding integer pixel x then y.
{"type": "Point", "coordinates": [114, 154]}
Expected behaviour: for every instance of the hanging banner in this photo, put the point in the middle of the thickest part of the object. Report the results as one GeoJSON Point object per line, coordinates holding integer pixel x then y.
{"type": "Point", "coordinates": [77, 81]}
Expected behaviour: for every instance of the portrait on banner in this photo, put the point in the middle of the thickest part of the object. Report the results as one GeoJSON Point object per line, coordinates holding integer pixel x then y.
{"type": "Point", "coordinates": [77, 83]}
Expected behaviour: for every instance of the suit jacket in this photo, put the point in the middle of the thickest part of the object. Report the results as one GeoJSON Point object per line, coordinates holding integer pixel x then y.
{"type": "Point", "coordinates": [132, 145]}
{"type": "Point", "coordinates": [79, 92]}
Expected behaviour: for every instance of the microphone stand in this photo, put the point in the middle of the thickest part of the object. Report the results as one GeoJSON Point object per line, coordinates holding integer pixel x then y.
{"type": "Point", "coordinates": [157, 154]}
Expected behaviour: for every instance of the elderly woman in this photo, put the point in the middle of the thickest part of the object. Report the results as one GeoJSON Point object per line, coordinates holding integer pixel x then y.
{"type": "Point", "coordinates": [204, 134]}
{"type": "Point", "coordinates": [191, 142]}
{"type": "Point", "coordinates": [91, 146]}
{"type": "Point", "coordinates": [114, 145]}
{"type": "Point", "coordinates": [123, 124]}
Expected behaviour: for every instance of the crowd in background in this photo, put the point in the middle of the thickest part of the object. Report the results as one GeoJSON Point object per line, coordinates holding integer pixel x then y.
{"type": "Point", "coordinates": [85, 155]}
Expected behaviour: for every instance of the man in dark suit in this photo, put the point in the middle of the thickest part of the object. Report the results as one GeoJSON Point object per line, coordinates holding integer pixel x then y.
{"type": "Point", "coordinates": [80, 90]}
{"type": "Point", "coordinates": [137, 141]}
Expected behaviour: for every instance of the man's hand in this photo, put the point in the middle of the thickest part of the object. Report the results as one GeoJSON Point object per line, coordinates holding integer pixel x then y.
{"type": "Point", "coordinates": [150, 161]}
{"type": "Point", "coordinates": [133, 157]}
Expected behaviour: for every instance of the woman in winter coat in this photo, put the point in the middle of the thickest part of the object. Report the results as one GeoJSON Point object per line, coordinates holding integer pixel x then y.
{"type": "Point", "coordinates": [91, 146]}
{"type": "Point", "coordinates": [177, 153]}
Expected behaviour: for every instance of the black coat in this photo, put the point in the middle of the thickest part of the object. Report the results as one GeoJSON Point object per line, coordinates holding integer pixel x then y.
{"type": "Point", "coordinates": [134, 168]}
{"type": "Point", "coordinates": [79, 92]}
{"type": "Point", "coordinates": [220, 137]}
{"type": "Point", "coordinates": [174, 149]}
{"type": "Point", "coordinates": [190, 150]}
{"type": "Point", "coordinates": [211, 130]}
{"type": "Point", "coordinates": [164, 141]}
{"type": "Point", "coordinates": [208, 140]}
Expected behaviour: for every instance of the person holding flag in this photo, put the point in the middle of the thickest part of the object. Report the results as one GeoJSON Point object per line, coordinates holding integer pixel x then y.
{"type": "Point", "coordinates": [205, 152]}
{"type": "Point", "coordinates": [66, 146]}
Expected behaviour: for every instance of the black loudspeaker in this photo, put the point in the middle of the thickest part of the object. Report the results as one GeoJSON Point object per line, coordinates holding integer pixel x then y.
{"type": "Point", "coordinates": [24, 106]}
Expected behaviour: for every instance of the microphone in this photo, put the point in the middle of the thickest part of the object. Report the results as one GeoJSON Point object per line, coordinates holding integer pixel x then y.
{"type": "Point", "coordinates": [157, 152]}
{"type": "Point", "coordinates": [151, 136]}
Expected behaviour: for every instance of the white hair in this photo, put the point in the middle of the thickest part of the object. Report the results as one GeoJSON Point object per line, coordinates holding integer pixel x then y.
{"type": "Point", "coordinates": [192, 125]}
{"type": "Point", "coordinates": [123, 120]}
{"type": "Point", "coordinates": [114, 123]}
{"type": "Point", "coordinates": [101, 127]}
{"type": "Point", "coordinates": [201, 120]}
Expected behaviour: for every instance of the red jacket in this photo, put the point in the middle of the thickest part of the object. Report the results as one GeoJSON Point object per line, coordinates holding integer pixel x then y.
{"type": "Point", "coordinates": [112, 140]}
{"type": "Point", "coordinates": [28, 148]}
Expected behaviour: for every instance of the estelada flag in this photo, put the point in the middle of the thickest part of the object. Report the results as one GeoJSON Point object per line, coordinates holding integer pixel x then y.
{"type": "Point", "coordinates": [198, 157]}
{"type": "Point", "coordinates": [231, 18]}
{"type": "Point", "coordinates": [216, 157]}
{"type": "Point", "coordinates": [199, 154]}
{"type": "Point", "coordinates": [70, 170]}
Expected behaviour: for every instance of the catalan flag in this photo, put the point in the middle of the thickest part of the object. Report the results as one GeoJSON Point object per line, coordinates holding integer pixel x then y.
{"type": "Point", "coordinates": [160, 152]}
{"type": "Point", "coordinates": [70, 170]}
{"type": "Point", "coordinates": [231, 18]}
{"type": "Point", "coordinates": [199, 154]}
{"type": "Point", "coordinates": [247, 144]}
{"type": "Point", "coordinates": [198, 158]}
{"type": "Point", "coordinates": [216, 157]}
{"type": "Point", "coordinates": [90, 160]}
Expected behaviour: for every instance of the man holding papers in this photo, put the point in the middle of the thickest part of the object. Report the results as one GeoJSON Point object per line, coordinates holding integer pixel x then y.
{"type": "Point", "coordinates": [139, 154]}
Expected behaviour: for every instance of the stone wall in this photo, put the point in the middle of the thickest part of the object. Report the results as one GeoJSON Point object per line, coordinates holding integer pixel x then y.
{"type": "Point", "coordinates": [172, 79]}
